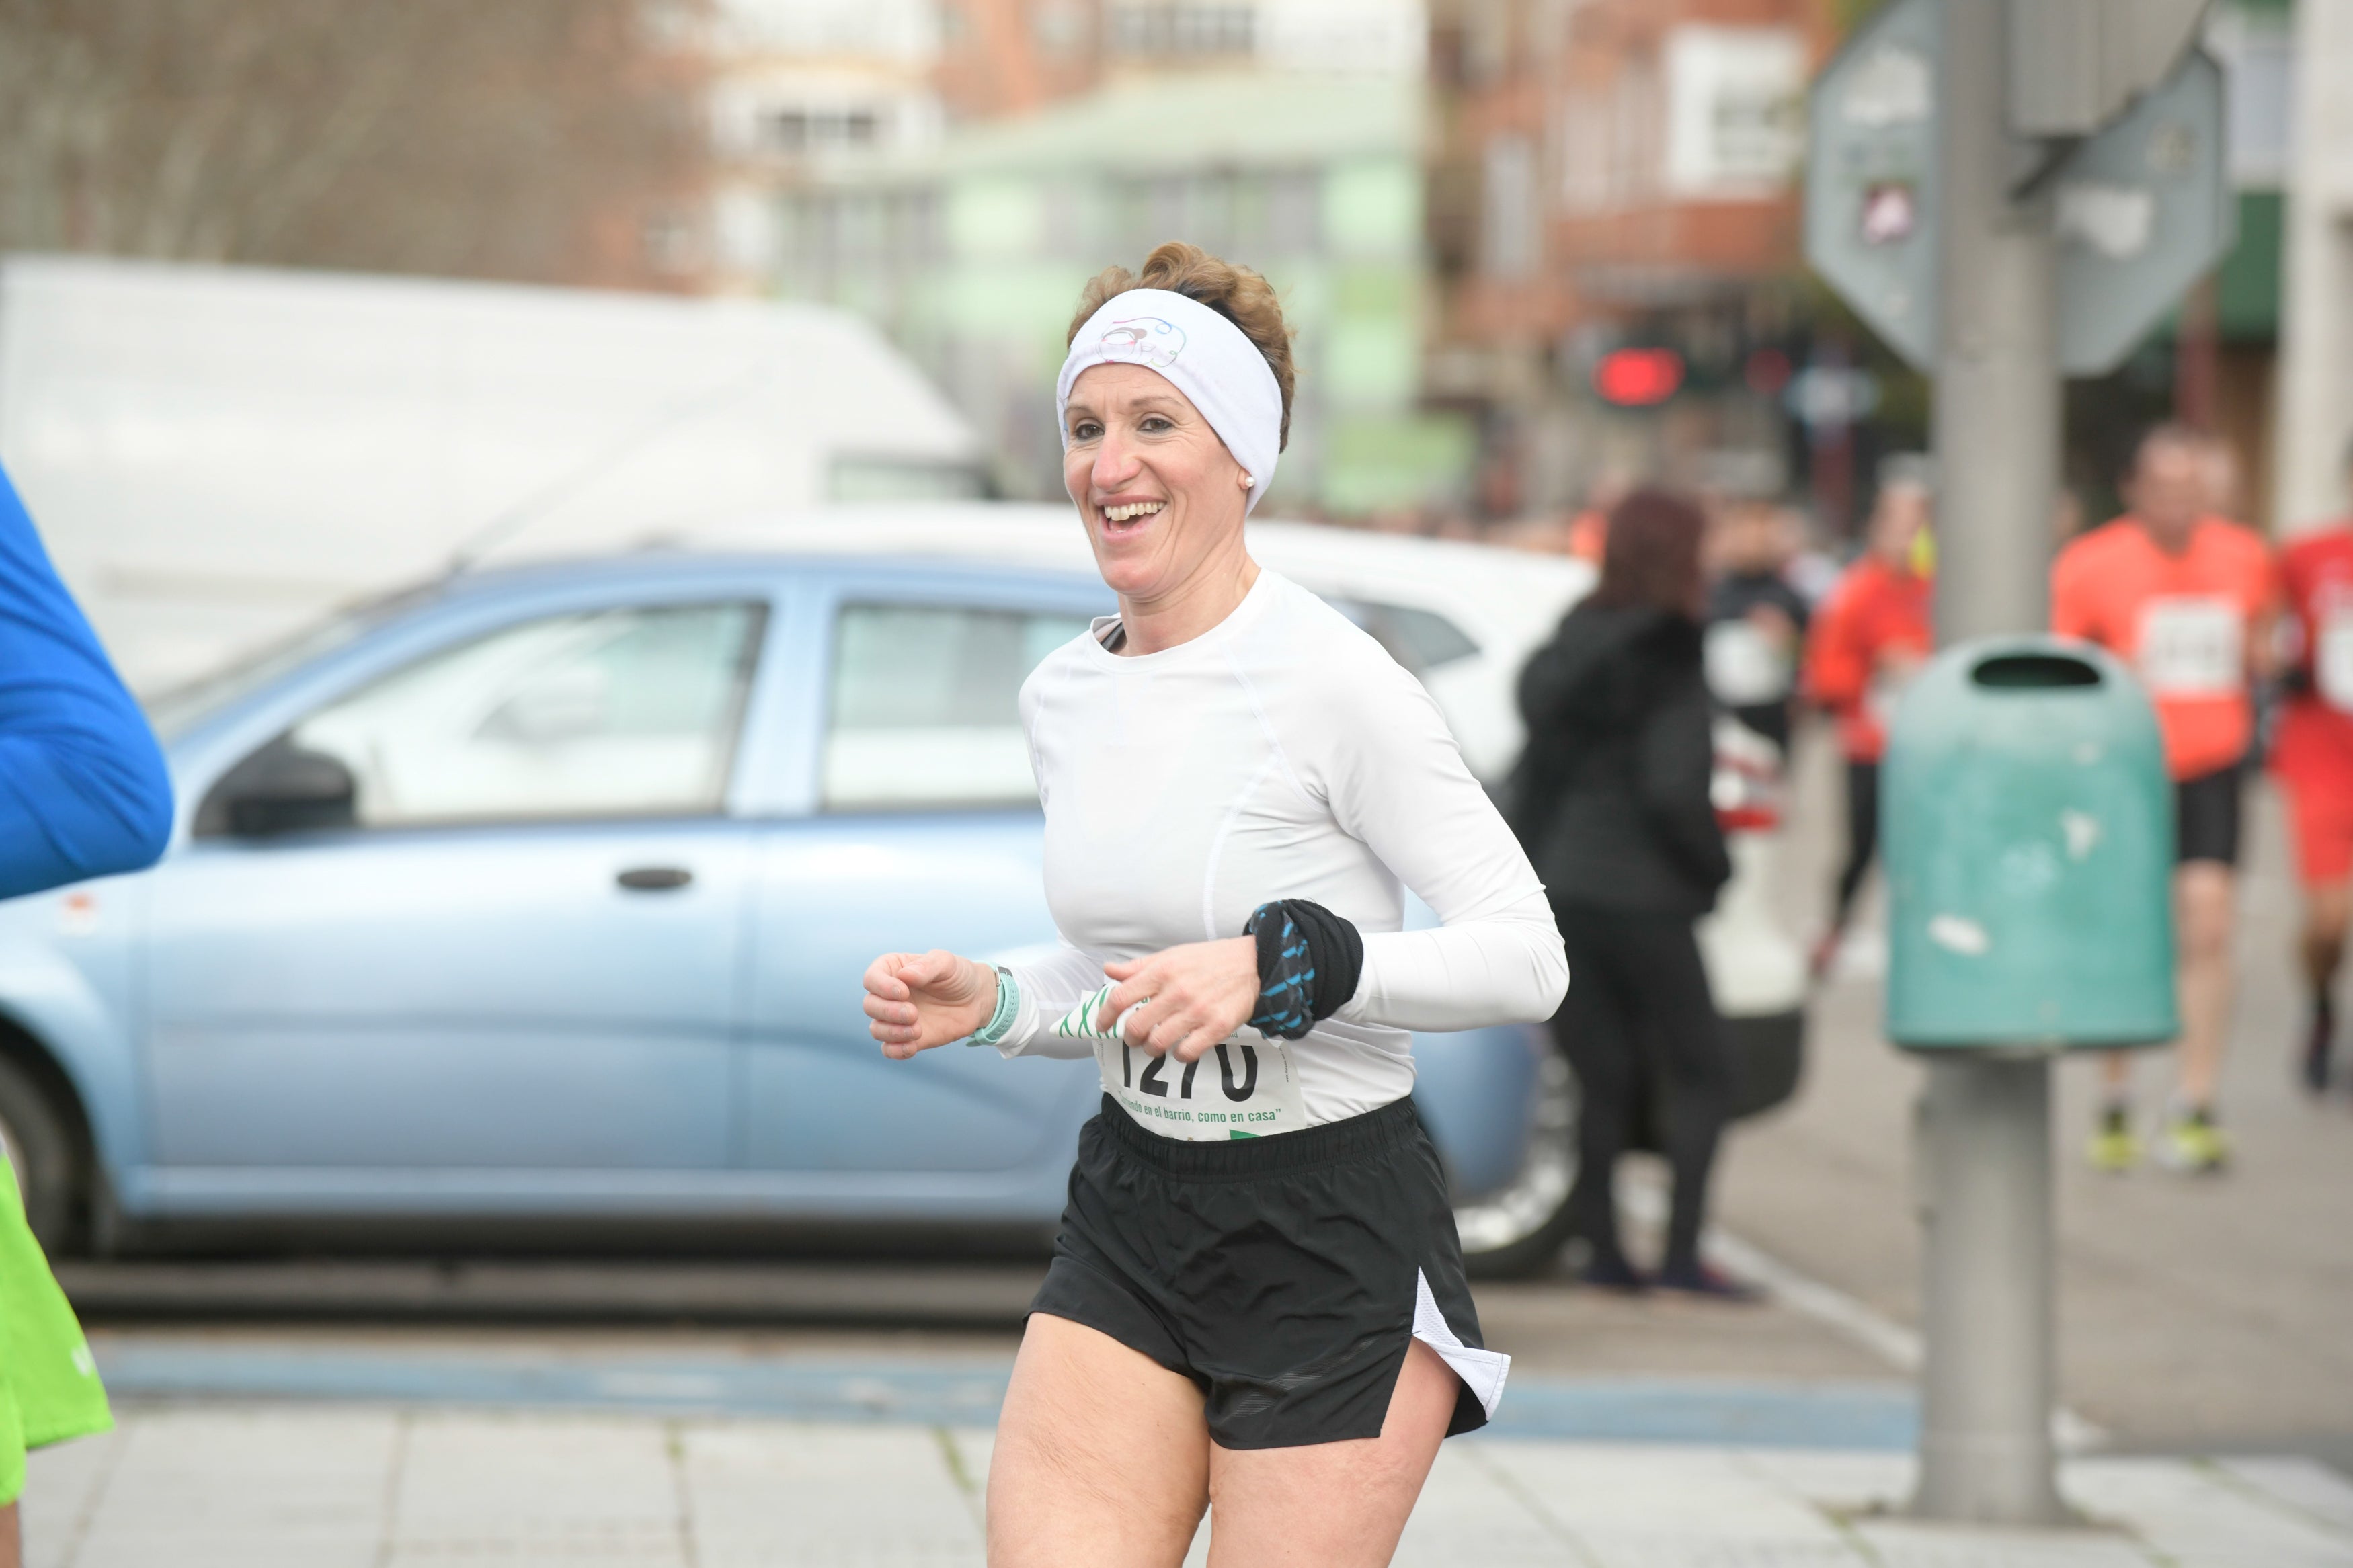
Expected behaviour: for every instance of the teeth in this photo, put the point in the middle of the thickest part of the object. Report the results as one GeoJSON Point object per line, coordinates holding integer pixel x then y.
{"type": "Point", "coordinates": [1132, 509]}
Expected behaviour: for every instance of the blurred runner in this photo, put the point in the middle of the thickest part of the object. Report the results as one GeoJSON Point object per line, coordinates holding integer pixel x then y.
{"type": "Point", "coordinates": [1756, 618]}
{"type": "Point", "coordinates": [83, 793]}
{"type": "Point", "coordinates": [1873, 635]}
{"type": "Point", "coordinates": [2311, 756]}
{"type": "Point", "coordinates": [2184, 597]}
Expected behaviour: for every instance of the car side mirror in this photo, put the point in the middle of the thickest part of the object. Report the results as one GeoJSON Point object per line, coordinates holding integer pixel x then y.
{"type": "Point", "coordinates": [280, 788]}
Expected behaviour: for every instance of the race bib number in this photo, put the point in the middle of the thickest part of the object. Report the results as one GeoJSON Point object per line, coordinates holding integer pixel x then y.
{"type": "Point", "coordinates": [2193, 647]}
{"type": "Point", "coordinates": [2332, 659]}
{"type": "Point", "coordinates": [1236, 1091]}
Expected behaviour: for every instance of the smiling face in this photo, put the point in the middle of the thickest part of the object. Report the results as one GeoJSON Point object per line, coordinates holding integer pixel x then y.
{"type": "Point", "coordinates": [1161, 497]}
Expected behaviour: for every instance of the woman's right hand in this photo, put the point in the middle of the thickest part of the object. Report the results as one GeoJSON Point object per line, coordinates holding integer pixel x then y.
{"type": "Point", "coordinates": [919, 1000]}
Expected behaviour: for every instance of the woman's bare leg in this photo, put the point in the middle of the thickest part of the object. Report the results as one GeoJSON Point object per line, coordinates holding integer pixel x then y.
{"type": "Point", "coordinates": [12, 1546]}
{"type": "Point", "coordinates": [1332, 1505]}
{"type": "Point", "coordinates": [1103, 1456]}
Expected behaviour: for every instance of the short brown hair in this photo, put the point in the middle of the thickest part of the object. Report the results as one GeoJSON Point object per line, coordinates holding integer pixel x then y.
{"type": "Point", "coordinates": [2171, 434]}
{"type": "Point", "coordinates": [1236, 293]}
{"type": "Point", "coordinates": [1652, 555]}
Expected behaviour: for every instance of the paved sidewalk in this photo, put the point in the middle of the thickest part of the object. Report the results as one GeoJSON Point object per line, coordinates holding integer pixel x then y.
{"type": "Point", "coordinates": [2193, 1315]}
{"type": "Point", "coordinates": [353, 1487]}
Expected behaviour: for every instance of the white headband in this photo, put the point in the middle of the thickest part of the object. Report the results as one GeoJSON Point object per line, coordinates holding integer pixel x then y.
{"type": "Point", "coordinates": [1203, 355]}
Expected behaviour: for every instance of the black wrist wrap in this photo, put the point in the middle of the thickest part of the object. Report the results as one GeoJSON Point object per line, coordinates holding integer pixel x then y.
{"type": "Point", "coordinates": [1309, 961]}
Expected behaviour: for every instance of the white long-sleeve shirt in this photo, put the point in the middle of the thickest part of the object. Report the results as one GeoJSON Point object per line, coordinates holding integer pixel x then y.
{"type": "Point", "coordinates": [1281, 754]}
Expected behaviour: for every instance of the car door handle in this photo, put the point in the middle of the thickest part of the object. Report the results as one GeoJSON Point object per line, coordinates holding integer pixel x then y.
{"type": "Point", "coordinates": [655, 878]}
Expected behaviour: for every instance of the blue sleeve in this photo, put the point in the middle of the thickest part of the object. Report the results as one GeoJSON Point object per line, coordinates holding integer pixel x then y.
{"type": "Point", "coordinates": [83, 789]}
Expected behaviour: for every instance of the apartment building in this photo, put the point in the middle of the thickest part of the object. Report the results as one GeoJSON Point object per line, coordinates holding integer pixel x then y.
{"type": "Point", "coordinates": [1070, 134]}
{"type": "Point", "coordinates": [1610, 175]}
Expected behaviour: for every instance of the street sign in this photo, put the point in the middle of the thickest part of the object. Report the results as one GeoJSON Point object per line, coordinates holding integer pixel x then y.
{"type": "Point", "coordinates": [2142, 209]}
{"type": "Point", "coordinates": [2074, 65]}
{"type": "Point", "coordinates": [2141, 212]}
{"type": "Point", "coordinates": [1870, 176]}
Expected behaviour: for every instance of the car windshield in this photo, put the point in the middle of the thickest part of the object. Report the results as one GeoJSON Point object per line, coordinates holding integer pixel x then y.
{"type": "Point", "coordinates": [177, 710]}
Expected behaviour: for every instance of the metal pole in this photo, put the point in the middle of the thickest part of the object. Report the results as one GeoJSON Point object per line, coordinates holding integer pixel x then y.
{"type": "Point", "coordinates": [1986, 1388]}
{"type": "Point", "coordinates": [1997, 423]}
{"type": "Point", "coordinates": [1987, 1385]}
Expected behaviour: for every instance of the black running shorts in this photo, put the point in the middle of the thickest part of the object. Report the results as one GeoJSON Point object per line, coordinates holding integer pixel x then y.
{"type": "Point", "coordinates": [1286, 1276]}
{"type": "Point", "coordinates": [2206, 812]}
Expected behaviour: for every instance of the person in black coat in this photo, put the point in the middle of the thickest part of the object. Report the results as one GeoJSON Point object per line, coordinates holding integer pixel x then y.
{"type": "Point", "coordinates": [1611, 798]}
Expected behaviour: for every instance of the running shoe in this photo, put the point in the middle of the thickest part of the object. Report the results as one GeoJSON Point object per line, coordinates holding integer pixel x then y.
{"type": "Point", "coordinates": [2318, 1043]}
{"type": "Point", "coordinates": [1615, 1274]}
{"type": "Point", "coordinates": [2193, 1144]}
{"type": "Point", "coordinates": [2115, 1147]}
{"type": "Point", "coordinates": [1710, 1284]}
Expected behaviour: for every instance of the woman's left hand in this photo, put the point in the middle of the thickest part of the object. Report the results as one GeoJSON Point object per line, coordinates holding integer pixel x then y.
{"type": "Point", "coordinates": [1193, 996]}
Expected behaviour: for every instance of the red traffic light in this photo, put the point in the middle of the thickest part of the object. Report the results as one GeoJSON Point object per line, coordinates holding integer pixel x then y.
{"type": "Point", "coordinates": [1637, 378]}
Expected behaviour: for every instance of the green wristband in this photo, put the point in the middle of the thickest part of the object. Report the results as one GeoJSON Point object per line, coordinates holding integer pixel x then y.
{"type": "Point", "coordinates": [1009, 1003]}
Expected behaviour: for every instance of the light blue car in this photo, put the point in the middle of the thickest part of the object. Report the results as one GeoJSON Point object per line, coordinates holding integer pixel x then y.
{"type": "Point", "coordinates": [534, 906]}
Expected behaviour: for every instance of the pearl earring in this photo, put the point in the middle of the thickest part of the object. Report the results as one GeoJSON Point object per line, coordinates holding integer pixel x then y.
{"type": "Point", "coordinates": [1247, 481]}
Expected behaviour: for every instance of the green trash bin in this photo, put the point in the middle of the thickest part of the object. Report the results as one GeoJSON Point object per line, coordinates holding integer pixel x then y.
{"type": "Point", "coordinates": [2028, 831]}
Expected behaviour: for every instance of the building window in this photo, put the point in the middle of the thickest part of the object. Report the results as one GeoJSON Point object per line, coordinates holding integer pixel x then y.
{"type": "Point", "coordinates": [1242, 213]}
{"type": "Point", "coordinates": [1295, 214]}
{"type": "Point", "coordinates": [1059, 26]}
{"type": "Point", "coordinates": [1177, 27]}
{"type": "Point", "coordinates": [1634, 132]}
{"type": "Point", "coordinates": [927, 235]}
{"type": "Point", "coordinates": [1585, 153]}
{"type": "Point", "coordinates": [1510, 218]}
{"type": "Point", "coordinates": [1735, 111]}
{"type": "Point", "coordinates": [925, 707]}
{"type": "Point", "coordinates": [800, 131]}
{"type": "Point", "coordinates": [1152, 212]}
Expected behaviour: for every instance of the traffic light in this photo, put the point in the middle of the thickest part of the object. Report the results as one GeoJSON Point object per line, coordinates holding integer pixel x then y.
{"type": "Point", "coordinates": [1637, 378]}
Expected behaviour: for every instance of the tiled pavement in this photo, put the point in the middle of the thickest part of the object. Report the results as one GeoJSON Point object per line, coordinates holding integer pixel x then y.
{"type": "Point", "coordinates": [279, 1486]}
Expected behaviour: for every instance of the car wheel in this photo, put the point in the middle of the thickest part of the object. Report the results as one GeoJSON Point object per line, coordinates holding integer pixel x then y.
{"type": "Point", "coordinates": [1518, 1229]}
{"type": "Point", "coordinates": [41, 1151]}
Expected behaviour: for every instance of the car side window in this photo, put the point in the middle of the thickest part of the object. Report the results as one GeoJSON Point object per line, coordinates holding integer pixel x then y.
{"type": "Point", "coordinates": [924, 707]}
{"type": "Point", "coordinates": [606, 713]}
{"type": "Point", "coordinates": [1421, 640]}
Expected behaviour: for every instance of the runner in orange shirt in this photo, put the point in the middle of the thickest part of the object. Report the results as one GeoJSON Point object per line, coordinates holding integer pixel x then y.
{"type": "Point", "coordinates": [1871, 634]}
{"type": "Point", "coordinates": [2312, 757]}
{"type": "Point", "coordinates": [2184, 597]}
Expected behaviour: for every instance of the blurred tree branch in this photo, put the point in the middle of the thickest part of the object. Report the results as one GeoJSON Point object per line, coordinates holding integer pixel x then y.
{"type": "Point", "coordinates": [538, 140]}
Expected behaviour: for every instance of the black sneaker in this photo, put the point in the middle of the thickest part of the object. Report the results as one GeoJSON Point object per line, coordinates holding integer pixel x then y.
{"type": "Point", "coordinates": [2318, 1043]}
{"type": "Point", "coordinates": [1710, 1284]}
{"type": "Point", "coordinates": [1614, 1273]}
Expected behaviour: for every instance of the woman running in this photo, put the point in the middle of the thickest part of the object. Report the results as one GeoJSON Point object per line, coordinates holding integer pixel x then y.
{"type": "Point", "coordinates": [1257, 1302]}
